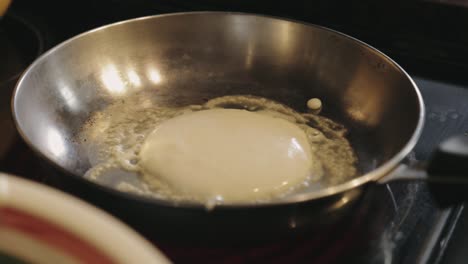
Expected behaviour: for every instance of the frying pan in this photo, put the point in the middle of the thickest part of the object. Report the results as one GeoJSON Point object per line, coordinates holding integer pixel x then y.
{"type": "Point", "coordinates": [202, 55]}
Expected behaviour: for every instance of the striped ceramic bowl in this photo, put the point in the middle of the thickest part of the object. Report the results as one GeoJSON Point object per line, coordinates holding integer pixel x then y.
{"type": "Point", "coordinates": [39, 224]}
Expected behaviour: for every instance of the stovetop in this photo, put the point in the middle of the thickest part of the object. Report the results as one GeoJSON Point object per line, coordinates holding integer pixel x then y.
{"type": "Point", "coordinates": [396, 223]}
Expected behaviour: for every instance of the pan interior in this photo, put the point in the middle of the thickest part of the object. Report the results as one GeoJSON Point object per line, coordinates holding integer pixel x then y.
{"type": "Point", "coordinates": [227, 54]}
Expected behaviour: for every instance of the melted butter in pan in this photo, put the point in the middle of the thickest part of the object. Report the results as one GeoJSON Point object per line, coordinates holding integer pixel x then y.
{"type": "Point", "coordinates": [232, 149]}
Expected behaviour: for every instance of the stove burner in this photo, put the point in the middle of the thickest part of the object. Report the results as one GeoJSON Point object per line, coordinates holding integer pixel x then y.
{"type": "Point", "coordinates": [20, 44]}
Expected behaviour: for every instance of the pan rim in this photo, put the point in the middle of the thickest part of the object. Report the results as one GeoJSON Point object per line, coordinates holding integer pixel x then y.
{"type": "Point", "coordinates": [371, 176]}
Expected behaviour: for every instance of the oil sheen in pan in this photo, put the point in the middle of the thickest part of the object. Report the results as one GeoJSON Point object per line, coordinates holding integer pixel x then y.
{"type": "Point", "coordinates": [114, 137]}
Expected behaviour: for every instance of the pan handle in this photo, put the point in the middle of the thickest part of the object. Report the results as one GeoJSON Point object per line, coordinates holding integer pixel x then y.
{"type": "Point", "coordinates": [446, 172]}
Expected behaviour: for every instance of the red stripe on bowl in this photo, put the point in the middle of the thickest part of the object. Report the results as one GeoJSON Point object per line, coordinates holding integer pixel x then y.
{"type": "Point", "coordinates": [53, 235]}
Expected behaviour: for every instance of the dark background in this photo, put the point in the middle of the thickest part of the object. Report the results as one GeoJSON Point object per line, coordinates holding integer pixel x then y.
{"type": "Point", "coordinates": [425, 37]}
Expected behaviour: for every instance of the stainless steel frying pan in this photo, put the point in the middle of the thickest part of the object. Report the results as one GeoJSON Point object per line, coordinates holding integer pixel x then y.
{"type": "Point", "coordinates": [188, 58]}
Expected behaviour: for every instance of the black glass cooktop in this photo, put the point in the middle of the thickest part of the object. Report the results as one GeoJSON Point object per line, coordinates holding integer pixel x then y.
{"type": "Point", "coordinates": [397, 222]}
